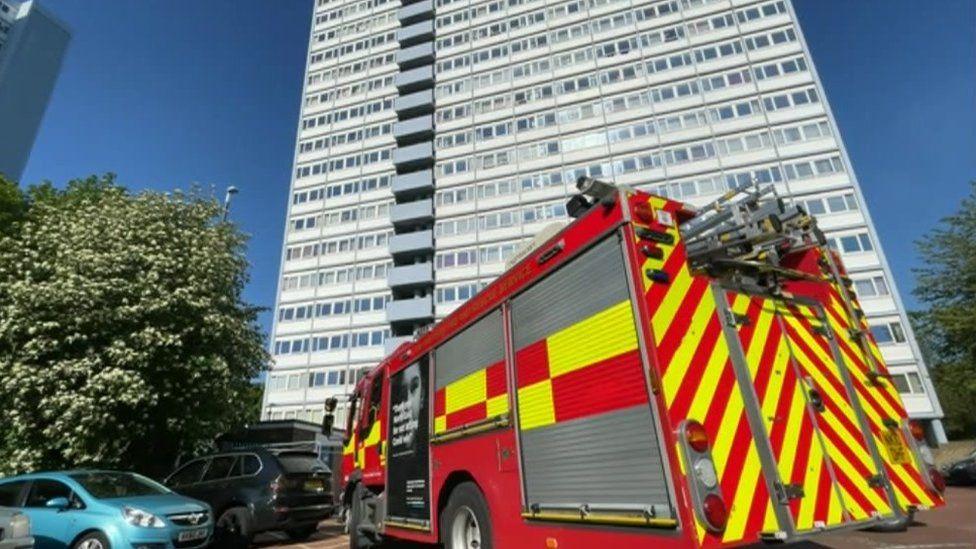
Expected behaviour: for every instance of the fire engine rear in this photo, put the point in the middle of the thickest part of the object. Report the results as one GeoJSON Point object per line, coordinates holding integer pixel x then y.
{"type": "Point", "coordinates": [651, 375]}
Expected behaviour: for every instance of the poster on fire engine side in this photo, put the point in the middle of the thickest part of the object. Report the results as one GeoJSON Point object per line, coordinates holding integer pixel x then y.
{"type": "Point", "coordinates": [408, 472]}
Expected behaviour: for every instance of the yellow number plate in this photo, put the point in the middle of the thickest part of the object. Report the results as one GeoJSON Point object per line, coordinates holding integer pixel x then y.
{"type": "Point", "coordinates": [897, 450]}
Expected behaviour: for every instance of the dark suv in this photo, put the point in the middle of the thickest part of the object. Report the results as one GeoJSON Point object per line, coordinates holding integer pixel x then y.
{"type": "Point", "coordinates": [253, 491]}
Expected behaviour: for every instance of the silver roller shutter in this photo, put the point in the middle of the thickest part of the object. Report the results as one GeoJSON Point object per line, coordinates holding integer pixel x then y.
{"type": "Point", "coordinates": [477, 347]}
{"type": "Point", "coordinates": [609, 460]}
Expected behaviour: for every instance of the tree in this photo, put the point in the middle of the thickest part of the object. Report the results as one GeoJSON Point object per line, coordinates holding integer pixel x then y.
{"type": "Point", "coordinates": [124, 340]}
{"type": "Point", "coordinates": [13, 206]}
{"type": "Point", "coordinates": [947, 329]}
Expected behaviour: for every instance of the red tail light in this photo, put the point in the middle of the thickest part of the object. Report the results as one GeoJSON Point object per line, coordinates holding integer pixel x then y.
{"type": "Point", "coordinates": [277, 486]}
{"type": "Point", "coordinates": [937, 480]}
{"type": "Point", "coordinates": [716, 513]}
{"type": "Point", "coordinates": [917, 430]}
{"type": "Point", "coordinates": [696, 436]}
{"type": "Point", "coordinates": [644, 213]}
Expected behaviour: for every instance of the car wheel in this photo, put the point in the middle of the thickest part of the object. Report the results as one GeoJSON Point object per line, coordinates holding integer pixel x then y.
{"type": "Point", "coordinates": [302, 533]}
{"type": "Point", "coordinates": [93, 540]}
{"type": "Point", "coordinates": [234, 528]}
{"type": "Point", "coordinates": [465, 523]}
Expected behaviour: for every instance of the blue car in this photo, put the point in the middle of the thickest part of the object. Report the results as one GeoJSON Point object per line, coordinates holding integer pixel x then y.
{"type": "Point", "coordinates": [106, 510]}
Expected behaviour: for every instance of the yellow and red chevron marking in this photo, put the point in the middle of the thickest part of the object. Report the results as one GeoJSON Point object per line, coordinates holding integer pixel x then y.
{"type": "Point", "coordinates": [365, 458]}
{"type": "Point", "coordinates": [840, 431]}
{"type": "Point", "coordinates": [698, 383]}
{"type": "Point", "coordinates": [349, 454]}
{"type": "Point", "coordinates": [475, 397]}
{"type": "Point", "coordinates": [589, 368]}
{"type": "Point", "coordinates": [880, 402]}
{"type": "Point", "coordinates": [792, 432]}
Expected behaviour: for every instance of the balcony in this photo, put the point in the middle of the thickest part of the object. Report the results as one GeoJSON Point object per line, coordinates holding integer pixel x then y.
{"type": "Point", "coordinates": [412, 243]}
{"type": "Point", "coordinates": [414, 104]}
{"type": "Point", "coordinates": [413, 157]}
{"type": "Point", "coordinates": [413, 184]}
{"type": "Point", "coordinates": [413, 130]}
{"type": "Point", "coordinates": [416, 33]}
{"type": "Point", "coordinates": [416, 309]}
{"type": "Point", "coordinates": [413, 212]}
{"type": "Point", "coordinates": [414, 79]}
{"type": "Point", "coordinates": [407, 276]}
{"type": "Point", "coordinates": [416, 12]}
{"type": "Point", "coordinates": [415, 56]}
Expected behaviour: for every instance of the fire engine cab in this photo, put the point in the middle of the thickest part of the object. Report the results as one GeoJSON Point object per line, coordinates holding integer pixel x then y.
{"type": "Point", "coordinates": [652, 375]}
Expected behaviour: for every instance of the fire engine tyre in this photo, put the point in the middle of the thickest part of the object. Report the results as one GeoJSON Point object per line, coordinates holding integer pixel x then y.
{"type": "Point", "coordinates": [357, 513]}
{"type": "Point", "coordinates": [465, 522]}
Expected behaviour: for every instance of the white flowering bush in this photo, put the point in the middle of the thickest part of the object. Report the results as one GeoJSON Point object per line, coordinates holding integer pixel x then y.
{"type": "Point", "coordinates": [124, 340]}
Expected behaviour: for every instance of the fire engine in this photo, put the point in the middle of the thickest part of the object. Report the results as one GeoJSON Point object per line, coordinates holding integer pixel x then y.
{"type": "Point", "coordinates": [651, 375]}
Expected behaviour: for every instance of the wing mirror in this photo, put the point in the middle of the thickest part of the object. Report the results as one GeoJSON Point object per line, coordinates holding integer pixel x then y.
{"type": "Point", "coordinates": [58, 503]}
{"type": "Point", "coordinates": [329, 418]}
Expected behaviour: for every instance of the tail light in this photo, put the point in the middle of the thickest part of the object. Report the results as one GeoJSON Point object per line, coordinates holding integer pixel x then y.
{"type": "Point", "coordinates": [704, 481]}
{"type": "Point", "coordinates": [277, 487]}
{"type": "Point", "coordinates": [918, 431]}
{"type": "Point", "coordinates": [938, 481]}
{"type": "Point", "coordinates": [716, 513]}
{"type": "Point", "coordinates": [696, 436]}
{"type": "Point", "coordinates": [644, 213]}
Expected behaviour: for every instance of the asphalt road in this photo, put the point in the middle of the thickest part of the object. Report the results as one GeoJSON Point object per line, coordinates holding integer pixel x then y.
{"type": "Point", "coordinates": [950, 527]}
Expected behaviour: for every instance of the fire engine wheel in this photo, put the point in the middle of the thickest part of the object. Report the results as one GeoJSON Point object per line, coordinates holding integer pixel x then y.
{"type": "Point", "coordinates": [465, 523]}
{"type": "Point", "coordinates": [356, 517]}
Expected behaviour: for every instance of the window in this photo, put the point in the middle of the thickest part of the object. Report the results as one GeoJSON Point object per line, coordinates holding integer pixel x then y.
{"type": "Point", "coordinates": [908, 383]}
{"type": "Point", "coordinates": [220, 467]}
{"type": "Point", "coordinates": [10, 493]}
{"type": "Point", "coordinates": [189, 474]}
{"type": "Point", "coordinates": [871, 287]}
{"type": "Point", "coordinates": [854, 243]}
{"type": "Point", "coordinates": [44, 490]}
{"type": "Point", "coordinates": [249, 464]}
{"type": "Point", "coordinates": [888, 333]}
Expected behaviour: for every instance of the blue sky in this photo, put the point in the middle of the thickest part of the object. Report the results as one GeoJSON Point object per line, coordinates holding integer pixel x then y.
{"type": "Point", "coordinates": [168, 93]}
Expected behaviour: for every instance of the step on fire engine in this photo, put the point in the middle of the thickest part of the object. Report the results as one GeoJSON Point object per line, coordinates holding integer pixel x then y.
{"type": "Point", "coordinates": [650, 376]}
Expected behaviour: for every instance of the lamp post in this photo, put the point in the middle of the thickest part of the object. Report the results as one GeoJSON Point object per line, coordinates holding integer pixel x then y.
{"type": "Point", "coordinates": [231, 191]}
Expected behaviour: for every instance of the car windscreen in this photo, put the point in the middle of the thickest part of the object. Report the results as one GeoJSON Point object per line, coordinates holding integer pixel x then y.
{"type": "Point", "coordinates": [294, 462]}
{"type": "Point", "coordinates": [118, 485]}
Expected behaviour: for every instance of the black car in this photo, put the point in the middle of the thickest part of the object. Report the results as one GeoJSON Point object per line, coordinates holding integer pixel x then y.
{"type": "Point", "coordinates": [254, 491]}
{"type": "Point", "coordinates": [962, 472]}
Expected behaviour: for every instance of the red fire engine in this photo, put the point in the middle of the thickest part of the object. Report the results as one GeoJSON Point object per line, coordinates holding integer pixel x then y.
{"type": "Point", "coordinates": [651, 375]}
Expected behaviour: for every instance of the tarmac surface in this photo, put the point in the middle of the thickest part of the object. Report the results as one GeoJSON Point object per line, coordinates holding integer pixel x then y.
{"type": "Point", "coordinates": [949, 527]}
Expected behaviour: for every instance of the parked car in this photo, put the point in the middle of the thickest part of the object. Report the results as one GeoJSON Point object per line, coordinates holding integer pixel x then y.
{"type": "Point", "coordinates": [14, 530]}
{"type": "Point", "coordinates": [962, 472]}
{"type": "Point", "coordinates": [256, 491]}
{"type": "Point", "coordinates": [106, 509]}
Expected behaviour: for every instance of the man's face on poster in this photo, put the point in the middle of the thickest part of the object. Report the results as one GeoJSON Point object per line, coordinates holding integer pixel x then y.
{"type": "Point", "coordinates": [413, 389]}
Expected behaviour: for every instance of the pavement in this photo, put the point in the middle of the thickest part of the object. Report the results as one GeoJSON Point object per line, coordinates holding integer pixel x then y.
{"type": "Point", "coordinates": [949, 527]}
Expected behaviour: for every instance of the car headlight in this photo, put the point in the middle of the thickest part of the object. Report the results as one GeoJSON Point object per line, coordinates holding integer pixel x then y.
{"type": "Point", "coordinates": [138, 517]}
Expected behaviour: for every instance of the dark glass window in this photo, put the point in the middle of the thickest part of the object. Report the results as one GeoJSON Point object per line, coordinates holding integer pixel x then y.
{"type": "Point", "coordinates": [189, 474]}
{"type": "Point", "coordinates": [219, 468]}
{"type": "Point", "coordinates": [10, 493]}
{"type": "Point", "coordinates": [44, 490]}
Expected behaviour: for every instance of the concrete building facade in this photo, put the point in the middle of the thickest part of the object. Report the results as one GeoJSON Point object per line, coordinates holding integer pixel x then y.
{"type": "Point", "coordinates": [437, 136]}
{"type": "Point", "coordinates": [32, 47]}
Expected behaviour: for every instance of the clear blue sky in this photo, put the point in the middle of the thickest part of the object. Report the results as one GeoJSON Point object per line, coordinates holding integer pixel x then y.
{"type": "Point", "coordinates": [167, 93]}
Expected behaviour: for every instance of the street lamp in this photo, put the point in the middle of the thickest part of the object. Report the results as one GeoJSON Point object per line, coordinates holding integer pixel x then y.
{"type": "Point", "coordinates": [231, 191]}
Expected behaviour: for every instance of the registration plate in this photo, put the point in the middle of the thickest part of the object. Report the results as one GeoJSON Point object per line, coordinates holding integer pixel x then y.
{"type": "Point", "coordinates": [314, 486]}
{"type": "Point", "coordinates": [897, 450]}
{"type": "Point", "coordinates": [192, 535]}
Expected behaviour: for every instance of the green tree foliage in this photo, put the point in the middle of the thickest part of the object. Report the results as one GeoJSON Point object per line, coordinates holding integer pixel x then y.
{"type": "Point", "coordinates": [947, 329]}
{"type": "Point", "coordinates": [13, 206]}
{"type": "Point", "coordinates": [124, 340]}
